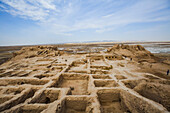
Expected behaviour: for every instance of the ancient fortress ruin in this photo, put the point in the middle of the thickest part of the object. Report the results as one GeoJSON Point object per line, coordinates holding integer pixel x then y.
{"type": "Point", "coordinates": [48, 80]}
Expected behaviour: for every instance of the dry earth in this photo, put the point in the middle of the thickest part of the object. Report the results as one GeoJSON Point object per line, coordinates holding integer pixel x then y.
{"type": "Point", "coordinates": [48, 80]}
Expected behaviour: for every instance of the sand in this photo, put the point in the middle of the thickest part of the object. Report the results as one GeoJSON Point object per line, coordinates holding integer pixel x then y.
{"type": "Point", "coordinates": [124, 78]}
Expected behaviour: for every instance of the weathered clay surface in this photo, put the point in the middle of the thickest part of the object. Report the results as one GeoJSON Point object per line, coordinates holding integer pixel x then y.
{"type": "Point", "coordinates": [48, 80]}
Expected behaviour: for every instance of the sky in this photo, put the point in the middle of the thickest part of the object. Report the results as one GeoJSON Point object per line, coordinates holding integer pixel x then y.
{"type": "Point", "coordinates": [27, 22]}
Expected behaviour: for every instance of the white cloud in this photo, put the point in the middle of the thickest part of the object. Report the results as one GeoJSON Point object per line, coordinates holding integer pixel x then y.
{"type": "Point", "coordinates": [30, 9]}
{"type": "Point", "coordinates": [47, 4]}
{"type": "Point", "coordinates": [3, 7]}
{"type": "Point", "coordinates": [62, 17]}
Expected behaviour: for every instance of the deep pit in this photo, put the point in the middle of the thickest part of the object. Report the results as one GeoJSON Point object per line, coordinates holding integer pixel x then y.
{"type": "Point", "coordinates": [110, 101]}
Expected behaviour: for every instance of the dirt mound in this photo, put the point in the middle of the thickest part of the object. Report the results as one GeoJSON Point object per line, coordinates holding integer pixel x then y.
{"type": "Point", "coordinates": [29, 52]}
{"type": "Point", "coordinates": [132, 51]}
{"type": "Point", "coordinates": [155, 91]}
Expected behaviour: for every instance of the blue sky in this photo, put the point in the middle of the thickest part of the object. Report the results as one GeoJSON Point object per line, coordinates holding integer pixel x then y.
{"type": "Point", "coordinates": [59, 21]}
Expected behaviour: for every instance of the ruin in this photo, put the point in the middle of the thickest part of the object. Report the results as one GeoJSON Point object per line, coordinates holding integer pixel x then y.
{"type": "Point", "coordinates": [47, 80]}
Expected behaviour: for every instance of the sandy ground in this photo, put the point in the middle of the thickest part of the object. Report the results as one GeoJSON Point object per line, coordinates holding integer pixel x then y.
{"type": "Point", "coordinates": [52, 79]}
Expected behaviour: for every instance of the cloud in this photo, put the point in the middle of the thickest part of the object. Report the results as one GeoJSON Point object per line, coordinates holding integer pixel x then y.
{"type": "Point", "coordinates": [66, 16]}
{"type": "Point", "coordinates": [36, 10]}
